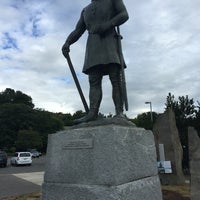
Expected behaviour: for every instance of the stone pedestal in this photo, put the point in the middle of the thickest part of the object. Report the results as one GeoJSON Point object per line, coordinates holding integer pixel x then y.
{"type": "Point", "coordinates": [101, 163]}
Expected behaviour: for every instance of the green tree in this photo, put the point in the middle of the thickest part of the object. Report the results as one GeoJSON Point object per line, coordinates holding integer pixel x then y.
{"type": "Point", "coordinates": [144, 120]}
{"type": "Point", "coordinates": [10, 96]}
{"type": "Point", "coordinates": [17, 113]}
{"type": "Point", "coordinates": [66, 118]}
{"type": "Point", "coordinates": [183, 108]}
{"type": "Point", "coordinates": [28, 139]}
{"type": "Point", "coordinates": [14, 117]}
{"type": "Point", "coordinates": [78, 114]}
{"type": "Point", "coordinates": [46, 123]}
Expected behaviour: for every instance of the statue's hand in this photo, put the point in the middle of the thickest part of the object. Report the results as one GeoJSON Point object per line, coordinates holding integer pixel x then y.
{"type": "Point", "coordinates": [100, 28]}
{"type": "Point", "coordinates": [65, 49]}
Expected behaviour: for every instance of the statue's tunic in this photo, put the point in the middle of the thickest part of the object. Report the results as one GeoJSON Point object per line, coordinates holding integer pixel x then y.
{"type": "Point", "coordinates": [101, 49]}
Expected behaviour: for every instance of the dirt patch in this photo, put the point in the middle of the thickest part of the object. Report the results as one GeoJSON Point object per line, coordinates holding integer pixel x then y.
{"type": "Point", "coordinates": [183, 190]}
{"type": "Point", "coordinates": [170, 195]}
{"type": "Point", "coordinates": [34, 196]}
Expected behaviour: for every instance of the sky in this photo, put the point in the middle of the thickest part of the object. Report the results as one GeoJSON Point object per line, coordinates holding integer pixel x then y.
{"type": "Point", "coordinates": [161, 47]}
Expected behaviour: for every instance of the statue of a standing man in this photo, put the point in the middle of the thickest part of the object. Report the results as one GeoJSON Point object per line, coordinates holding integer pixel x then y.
{"type": "Point", "coordinates": [99, 18]}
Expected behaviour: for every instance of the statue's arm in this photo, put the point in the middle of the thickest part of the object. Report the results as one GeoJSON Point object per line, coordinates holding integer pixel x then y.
{"type": "Point", "coordinates": [121, 13]}
{"type": "Point", "coordinates": [121, 16]}
{"type": "Point", "coordinates": [78, 31]}
{"type": "Point", "coordinates": [74, 35]}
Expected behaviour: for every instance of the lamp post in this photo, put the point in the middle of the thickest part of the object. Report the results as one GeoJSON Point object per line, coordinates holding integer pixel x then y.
{"type": "Point", "coordinates": [149, 102]}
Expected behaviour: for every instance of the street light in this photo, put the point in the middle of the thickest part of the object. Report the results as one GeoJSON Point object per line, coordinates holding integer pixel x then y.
{"type": "Point", "coordinates": [149, 102]}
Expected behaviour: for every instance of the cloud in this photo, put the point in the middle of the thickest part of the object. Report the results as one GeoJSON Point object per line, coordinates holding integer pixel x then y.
{"type": "Point", "coordinates": [160, 45]}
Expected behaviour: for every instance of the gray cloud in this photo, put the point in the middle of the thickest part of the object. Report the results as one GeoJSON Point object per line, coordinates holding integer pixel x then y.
{"type": "Point", "coordinates": [160, 48]}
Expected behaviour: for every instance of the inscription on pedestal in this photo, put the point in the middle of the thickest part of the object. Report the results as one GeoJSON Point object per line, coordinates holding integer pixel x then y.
{"type": "Point", "coordinates": [78, 144]}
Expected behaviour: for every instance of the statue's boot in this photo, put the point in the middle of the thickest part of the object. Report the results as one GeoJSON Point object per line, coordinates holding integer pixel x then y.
{"type": "Point", "coordinates": [119, 112]}
{"type": "Point", "coordinates": [91, 116]}
{"type": "Point", "coordinates": [120, 115]}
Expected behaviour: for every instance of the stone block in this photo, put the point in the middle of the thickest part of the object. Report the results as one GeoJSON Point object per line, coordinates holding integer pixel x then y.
{"type": "Point", "coordinates": [166, 133]}
{"type": "Point", "coordinates": [195, 180]}
{"type": "Point", "coordinates": [194, 155]}
{"type": "Point", "coordinates": [194, 144]}
{"type": "Point", "coordinates": [118, 155]}
{"type": "Point", "coordinates": [143, 189]}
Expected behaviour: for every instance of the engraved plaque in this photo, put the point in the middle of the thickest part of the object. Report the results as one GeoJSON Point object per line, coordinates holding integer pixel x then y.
{"type": "Point", "coordinates": [79, 144]}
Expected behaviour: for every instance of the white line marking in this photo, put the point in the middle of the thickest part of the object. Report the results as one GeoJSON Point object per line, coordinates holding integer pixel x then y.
{"type": "Point", "coordinates": [34, 177]}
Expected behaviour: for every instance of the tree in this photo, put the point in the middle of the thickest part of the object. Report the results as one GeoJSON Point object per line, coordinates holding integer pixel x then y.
{"type": "Point", "coordinates": [66, 118]}
{"type": "Point", "coordinates": [184, 109]}
{"type": "Point", "coordinates": [78, 114]}
{"type": "Point", "coordinates": [144, 120]}
{"type": "Point", "coordinates": [17, 113]}
{"type": "Point", "coordinates": [14, 117]}
{"type": "Point", "coordinates": [46, 123]}
{"type": "Point", "coordinates": [28, 139]}
{"type": "Point", "coordinates": [10, 96]}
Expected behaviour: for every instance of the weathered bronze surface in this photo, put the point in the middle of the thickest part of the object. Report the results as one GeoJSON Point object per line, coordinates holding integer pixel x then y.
{"type": "Point", "coordinates": [102, 55]}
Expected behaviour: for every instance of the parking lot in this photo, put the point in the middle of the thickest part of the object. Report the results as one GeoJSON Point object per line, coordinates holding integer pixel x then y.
{"type": "Point", "coordinates": [22, 179]}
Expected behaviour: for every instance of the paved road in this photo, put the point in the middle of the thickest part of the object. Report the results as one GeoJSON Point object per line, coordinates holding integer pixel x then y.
{"type": "Point", "coordinates": [22, 179]}
{"type": "Point", "coordinates": [37, 166]}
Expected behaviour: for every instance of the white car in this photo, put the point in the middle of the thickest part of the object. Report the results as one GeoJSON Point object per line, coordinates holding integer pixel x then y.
{"type": "Point", "coordinates": [21, 158]}
{"type": "Point", "coordinates": [34, 153]}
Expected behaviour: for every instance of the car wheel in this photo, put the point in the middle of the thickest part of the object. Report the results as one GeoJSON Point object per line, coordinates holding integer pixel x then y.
{"type": "Point", "coordinates": [16, 163]}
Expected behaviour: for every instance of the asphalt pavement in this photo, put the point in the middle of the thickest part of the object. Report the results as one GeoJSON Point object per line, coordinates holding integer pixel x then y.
{"type": "Point", "coordinates": [22, 179]}
{"type": "Point", "coordinates": [14, 186]}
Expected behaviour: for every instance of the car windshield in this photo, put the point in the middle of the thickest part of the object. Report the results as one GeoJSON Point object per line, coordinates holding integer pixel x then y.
{"type": "Point", "coordinates": [25, 155]}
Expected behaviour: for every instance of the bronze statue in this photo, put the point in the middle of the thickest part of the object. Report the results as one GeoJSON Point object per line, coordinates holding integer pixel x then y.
{"type": "Point", "coordinates": [102, 55]}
